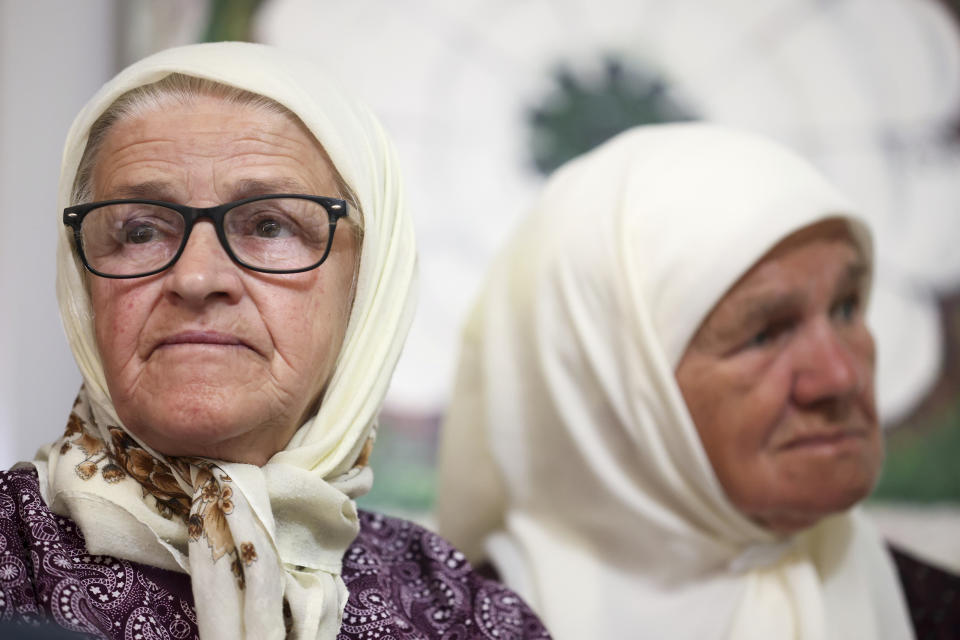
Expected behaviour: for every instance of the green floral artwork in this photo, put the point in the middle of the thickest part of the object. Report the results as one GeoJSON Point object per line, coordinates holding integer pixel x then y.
{"type": "Point", "coordinates": [230, 20]}
{"type": "Point", "coordinates": [584, 110]}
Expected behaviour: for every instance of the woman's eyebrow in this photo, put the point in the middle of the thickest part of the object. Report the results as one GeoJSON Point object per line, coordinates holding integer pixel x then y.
{"type": "Point", "coordinates": [249, 188]}
{"type": "Point", "coordinates": [150, 190]}
{"type": "Point", "coordinates": [770, 306]}
{"type": "Point", "coordinates": [855, 276]}
{"type": "Point", "coordinates": [160, 190]}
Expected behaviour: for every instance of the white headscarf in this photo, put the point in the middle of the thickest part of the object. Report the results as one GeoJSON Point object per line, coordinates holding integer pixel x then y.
{"type": "Point", "coordinates": [297, 508]}
{"type": "Point", "coordinates": [569, 457]}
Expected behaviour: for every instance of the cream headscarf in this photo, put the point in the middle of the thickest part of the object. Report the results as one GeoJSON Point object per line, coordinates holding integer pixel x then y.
{"type": "Point", "coordinates": [290, 521]}
{"type": "Point", "coordinates": [569, 457]}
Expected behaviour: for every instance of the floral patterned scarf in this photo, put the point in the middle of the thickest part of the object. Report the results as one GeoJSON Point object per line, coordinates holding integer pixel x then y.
{"type": "Point", "coordinates": [212, 530]}
{"type": "Point", "coordinates": [192, 490]}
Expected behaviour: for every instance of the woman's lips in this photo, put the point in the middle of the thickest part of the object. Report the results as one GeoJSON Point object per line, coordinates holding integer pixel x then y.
{"type": "Point", "coordinates": [826, 439]}
{"type": "Point", "coordinates": [211, 338]}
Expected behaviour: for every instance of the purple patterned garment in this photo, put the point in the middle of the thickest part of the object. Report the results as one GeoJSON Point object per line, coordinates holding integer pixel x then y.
{"type": "Point", "coordinates": [405, 582]}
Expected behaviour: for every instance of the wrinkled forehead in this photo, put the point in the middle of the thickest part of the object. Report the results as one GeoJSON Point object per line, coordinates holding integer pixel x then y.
{"type": "Point", "coordinates": [827, 253]}
{"type": "Point", "coordinates": [846, 236]}
{"type": "Point", "coordinates": [258, 146]}
{"type": "Point", "coordinates": [340, 126]}
{"type": "Point", "coordinates": [836, 229]}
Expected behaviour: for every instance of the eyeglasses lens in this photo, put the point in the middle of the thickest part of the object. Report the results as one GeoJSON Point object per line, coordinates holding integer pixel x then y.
{"type": "Point", "coordinates": [131, 238]}
{"type": "Point", "coordinates": [278, 233]}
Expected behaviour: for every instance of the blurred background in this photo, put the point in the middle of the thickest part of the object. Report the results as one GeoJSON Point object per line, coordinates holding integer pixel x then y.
{"type": "Point", "coordinates": [484, 98]}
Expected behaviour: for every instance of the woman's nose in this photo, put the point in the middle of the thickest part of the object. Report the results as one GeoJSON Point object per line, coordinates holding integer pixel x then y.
{"type": "Point", "coordinates": [829, 368]}
{"type": "Point", "coordinates": [204, 272]}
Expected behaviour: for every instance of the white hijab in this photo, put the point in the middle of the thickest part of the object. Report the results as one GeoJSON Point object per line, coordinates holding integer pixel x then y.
{"type": "Point", "coordinates": [569, 458]}
{"type": "Point", "coordinates": [299, 507]}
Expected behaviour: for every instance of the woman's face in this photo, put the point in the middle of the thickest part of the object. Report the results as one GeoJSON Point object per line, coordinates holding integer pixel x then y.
{"type": "Point", "coordinates": [208, 358]}
{"type": "Point", "coordinates": [779, 382]}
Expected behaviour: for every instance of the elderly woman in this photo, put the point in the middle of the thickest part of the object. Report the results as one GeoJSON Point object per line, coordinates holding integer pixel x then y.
{"type": "Point", "coordinates": [235, 275]}
{"type": "Point", "coordinates": [666, 399]}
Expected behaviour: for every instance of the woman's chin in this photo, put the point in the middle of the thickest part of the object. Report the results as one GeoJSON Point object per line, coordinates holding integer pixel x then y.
{"type": "Point", "coordinates": [795, 511]}
{"type": "Point", "coordinates": [204, 425]}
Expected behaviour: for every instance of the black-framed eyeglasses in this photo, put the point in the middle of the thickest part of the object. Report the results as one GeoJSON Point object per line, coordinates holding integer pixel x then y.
{"type": "Point", "coordinates": [277, 233]}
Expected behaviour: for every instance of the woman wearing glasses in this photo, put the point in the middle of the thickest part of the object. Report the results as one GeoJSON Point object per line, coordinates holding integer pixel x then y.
{"type": "Point", "coordinates": [235, 275]}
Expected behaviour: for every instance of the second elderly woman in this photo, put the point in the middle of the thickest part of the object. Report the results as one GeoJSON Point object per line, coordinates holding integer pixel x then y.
{"type": "Point", "coordinates": [235, 268]}
{"type": "Point", "coordinates": [666, 399]}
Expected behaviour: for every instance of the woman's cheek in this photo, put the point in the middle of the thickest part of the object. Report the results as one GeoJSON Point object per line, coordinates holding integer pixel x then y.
{"type": "Point", "coordinates": [120, 316]}
{"type": "Point", "coordinates": [764, 400]}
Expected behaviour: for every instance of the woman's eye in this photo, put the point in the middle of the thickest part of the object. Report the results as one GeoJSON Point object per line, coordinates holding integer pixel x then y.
{"type": "Point", "coordinates": [760, 339]}
{"type": "Point", "coordinates": [271, 228]}
{"type": "Point", "coordinates": [268, 229]}
{"type": "Point", "coordinates": [769, 334]}
{"type": "Point", "coordinates": [141, 234]}
{"type": "Point", "coordinates": [847, 308]}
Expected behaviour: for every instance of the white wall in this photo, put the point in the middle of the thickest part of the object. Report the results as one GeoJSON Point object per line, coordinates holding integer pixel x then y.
{"type": "Point", "coordinates": [53, 55]}
{"type": "Point", "coordinates": [861, 87]}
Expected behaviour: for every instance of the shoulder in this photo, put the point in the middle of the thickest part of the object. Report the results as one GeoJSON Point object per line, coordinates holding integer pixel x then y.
{"type": "Point", "coordinates": [18, 479]}
{"type": "Point", "coordinates": [47, 576]}
{"type": "Point", "coordinates": [24, 517]}
{"type": "Point", "coordinates": [22, 507]}
{"type": "Point", "coordinates": [933, 596]}
{"type": "Point", "coordinates": [31, 536]}
{"type": "Point", "coordinates": [408, 582]}
{"type": "Point", "coordinates": [27, 523]}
